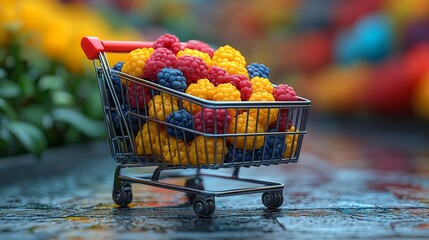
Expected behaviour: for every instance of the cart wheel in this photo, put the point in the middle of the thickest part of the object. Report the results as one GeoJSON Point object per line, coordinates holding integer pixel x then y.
{"type": "Point", "coordinates": [204, 206]}
{"type": "Point", "coordinates": [272, 199]}
{"type": "Point", "coordinates": [212, 207]}
{"type": "Point", "coordinates": [195, 183]}
{"type": "Point", "coordinates": [123, 196]}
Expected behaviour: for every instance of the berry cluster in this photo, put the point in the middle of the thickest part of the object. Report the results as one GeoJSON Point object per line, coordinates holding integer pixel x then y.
{"type": "Point", "coordinates": [194, 68]}
{"type": "Point", "coordinates": [195, 53]}
{"type": "Point", "coordinates": [291, 143]}
{"type": "Point", "coordinates": [181, 130]}
{"type": "Point", "coordinates": [258, 70]}
{"type": "Point", "coordinates": [180, 118]}
{"type": "Point", "coordinates": [274, 146]}
{"type": "Point", "coordinates": [234, 68]}
{"type": "Point", "coordinates": [138, 96]}
{"type": "Point", "coordinates": [203, 89]}
{"type": "Point", "coordinates": [172, 78]}
{"type": "Point", "coordinates": [135, 62]}
{"type": "Point", "coordinates": [236, 155]}
{"type": "Point", "coordinates": [217, 75]}
{"type": "Point", "coordinates": [228, 54]}
{"type": "Point", "coordinates": [264, 116]}
{"type": "Point", "coordinates": [160, 107]}
{"type": "Point", "coordinates": [212, 121]}
{"type": "Point", "coordinates": [226, 92]}
{"type": "Point", "coordinates": [284, 92]}
{"type": "Point", "coordinates": [200, 46]}
{"type": "Point", "coordinates": [130, 119]}
{"type": "Point", "coordinates": [205, 150]}
{"type": "Point", "coordinates": [117, 86]}
{"type": "Point", "coordinates": [242, 84]}
{"type": "Point", "coordinates": [150, 138]}
{"type": "Point", "coordinates": [174, 151]}
{"type": "Point", "coordinates": [280, 146]}
{"type": "Point", "coordinates": [246, 124]}
{"type": "Point", "coordinates": [168, 41]}
{"type": "Point", "coordinates": [160, 58]}
{"type": "Point", "coordinates": [260, 84]}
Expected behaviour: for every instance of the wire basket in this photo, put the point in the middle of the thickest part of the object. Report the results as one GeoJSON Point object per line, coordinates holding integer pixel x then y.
{"type": "Point", "coordinates": [147, 126]}
{"type": "Point", "coordinates": [252, 140]}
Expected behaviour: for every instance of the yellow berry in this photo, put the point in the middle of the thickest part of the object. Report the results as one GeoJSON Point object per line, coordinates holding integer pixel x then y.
{"type": "Point", "coordinates": [204, 150]}
{"type": "Point", "coordinates": [227, 92]}
{"type": "Point", "coordinates": [174, 151]}
{"type": "Point", "coordinates": [238, 125]}
{"type": "Point", "coordinates": [150, 138]}
{"type": "Point", "coordinates": [202, 89]}
{"type": "Point", "coordinates": [162, 105]}
{"type": "Point", "coordinates": [233, 68]}
{"type": "Point", "coordinates": [228, 54]}
{"type": "Point", "coordinates": [265, 116]}
{"type": "Point", "coordinates": [260, 84]}
{"type": "Point", "coordinates": [291, 139]}
{"type": "Point", "coordinates": [135, 61]}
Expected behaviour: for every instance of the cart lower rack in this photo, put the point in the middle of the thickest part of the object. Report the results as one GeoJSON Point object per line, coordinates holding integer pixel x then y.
{"type": "Point", "coordinates": [148, 127]}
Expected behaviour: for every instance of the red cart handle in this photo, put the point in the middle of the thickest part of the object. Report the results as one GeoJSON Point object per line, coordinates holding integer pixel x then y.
{"type": "Point", "coordinates": [92, 46]}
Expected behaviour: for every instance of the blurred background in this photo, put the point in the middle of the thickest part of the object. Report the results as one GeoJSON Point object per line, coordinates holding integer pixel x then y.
{"type": "Point", "coordinates": [364, 60]}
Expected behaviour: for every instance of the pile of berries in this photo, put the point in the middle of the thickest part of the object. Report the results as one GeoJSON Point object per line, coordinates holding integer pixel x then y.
{"type": "Point", "coordinates": [118, 87]}
{"type": "Point", "coordinates": [179, 128]}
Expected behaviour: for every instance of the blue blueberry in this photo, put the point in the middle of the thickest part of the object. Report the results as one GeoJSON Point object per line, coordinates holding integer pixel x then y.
{"type": "Point", "coordinates": [180, 118]}
{"type": "Point", "coordinates": [172, 78]}
{"type": "Point", "coordinates": [258, 70]}
{"type": "Point", "coordinates": [274, 146]}
{"type": "Point", "coordinates": [117, 85]}
{"type": "Point", "coordinates": [235, 155]}
{"type": "Point", "coordinates": [131, 119]}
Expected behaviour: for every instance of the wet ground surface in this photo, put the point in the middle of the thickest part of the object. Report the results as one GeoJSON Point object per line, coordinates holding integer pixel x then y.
{"type": "Point", "coordinates": [346, 185]}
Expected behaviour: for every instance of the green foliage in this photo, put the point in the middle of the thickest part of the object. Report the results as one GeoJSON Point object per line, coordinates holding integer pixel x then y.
{"type": "Point", "coordinates": [44, 105]}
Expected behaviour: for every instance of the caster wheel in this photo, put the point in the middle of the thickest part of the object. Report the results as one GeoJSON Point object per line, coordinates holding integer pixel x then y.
{"type": "Point", "coordinates": [195, 183]}
{"type": "Point", "coordinates": [204, 206]}
{"type": "Point", "coordinates": [272, 199]}
{"type": "Point", "coordinates": [123, 196]}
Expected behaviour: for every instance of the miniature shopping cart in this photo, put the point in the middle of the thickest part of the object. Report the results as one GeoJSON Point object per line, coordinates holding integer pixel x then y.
{"type": "Point", "coordinates": [137, 137]}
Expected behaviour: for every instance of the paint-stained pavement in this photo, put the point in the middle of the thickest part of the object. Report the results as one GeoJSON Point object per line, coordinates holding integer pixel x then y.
{"type": "Point", "coordinates": [346, 185]}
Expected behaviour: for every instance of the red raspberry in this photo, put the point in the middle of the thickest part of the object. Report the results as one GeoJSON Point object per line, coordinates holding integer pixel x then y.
{"type": "Point", "coordinates": [284, 92]}
{"type": "Point", "coordinates": [200, 46]}
{"type": "Point", "coordinates": [243, 84]}
{"type": "Point", "coordinates": [160, 58]}
{"type": "Point", "coordinates": [193, 68]}
{"type": "Point", "coordinates": [135, 96]}
{"type": "Point", "coordinates": [217, 75]}
{"type": "Point", "coordinates": [204, 121]}
{"type": "Point", "coordinates": [195, 53]}
{"type": "Point", "coordinates": [283, 120]}
{"type": "Point", "coordinates": [168, 41]}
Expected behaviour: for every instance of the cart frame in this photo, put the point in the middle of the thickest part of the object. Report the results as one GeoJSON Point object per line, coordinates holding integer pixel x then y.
{"type": "Point", "coordinates": [124, 150]}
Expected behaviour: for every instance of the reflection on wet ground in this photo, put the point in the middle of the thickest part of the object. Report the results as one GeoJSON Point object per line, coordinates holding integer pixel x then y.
{"type": "Point", "coordinates": [347, 184]}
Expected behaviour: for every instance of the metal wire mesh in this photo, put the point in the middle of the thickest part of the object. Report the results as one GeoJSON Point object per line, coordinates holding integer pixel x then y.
{"type": "Point", "coordinates": [254, 134]}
